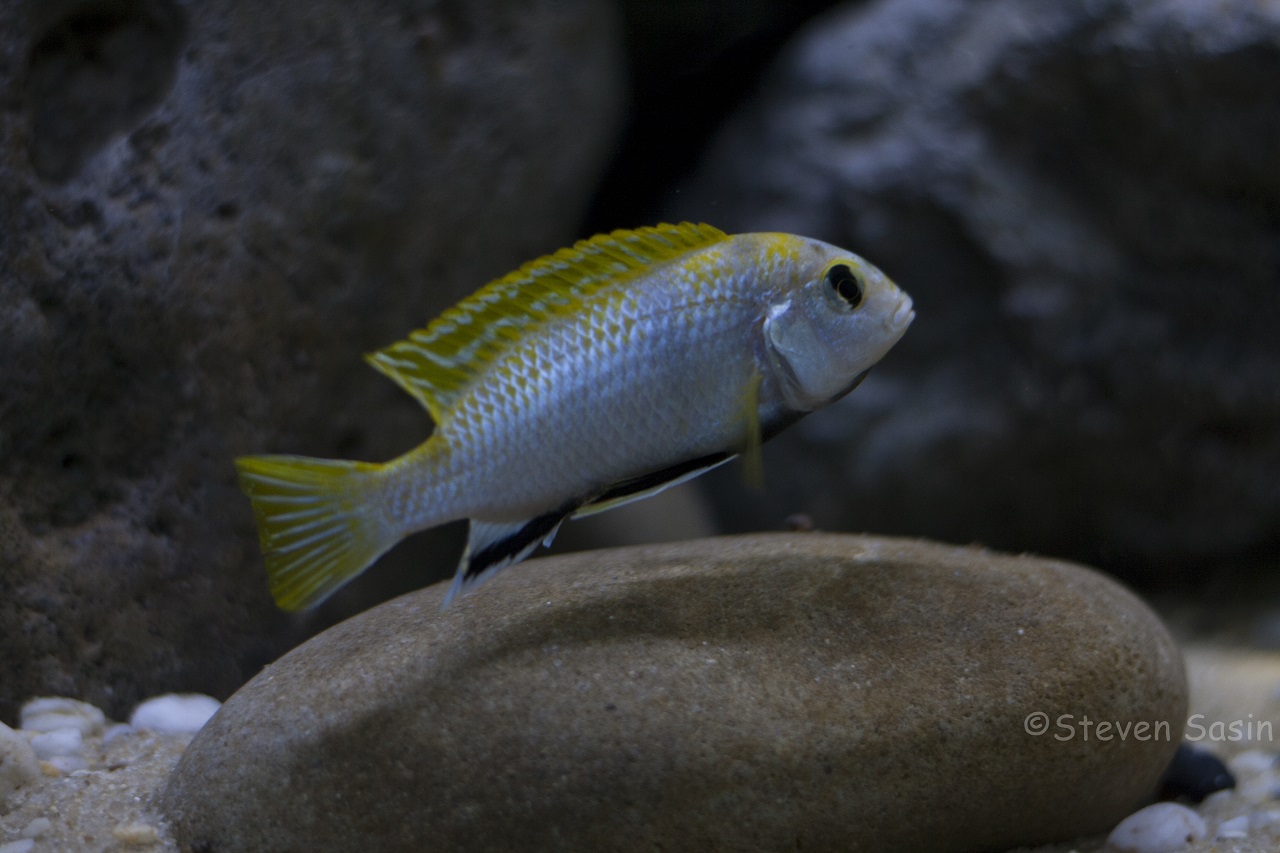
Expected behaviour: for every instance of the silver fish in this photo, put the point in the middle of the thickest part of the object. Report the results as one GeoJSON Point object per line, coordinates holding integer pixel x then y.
{"type": "Point", "coordinates": [592, 377]}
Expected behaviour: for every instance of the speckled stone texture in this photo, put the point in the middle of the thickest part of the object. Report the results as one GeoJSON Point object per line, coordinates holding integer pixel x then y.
{"type": "Point", "coordinates": [208, 212]}
{"type": "Point", "coordinates": [1084, 201]}
{"type": "Point", "coordinates": [803, 691]}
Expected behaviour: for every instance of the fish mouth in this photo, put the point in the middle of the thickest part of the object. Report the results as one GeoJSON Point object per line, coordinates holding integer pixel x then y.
{"type": "Point", "coordinates": [903, 314]}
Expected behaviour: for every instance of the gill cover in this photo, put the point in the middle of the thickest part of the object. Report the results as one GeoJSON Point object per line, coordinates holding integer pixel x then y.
{"type": "Point", "coordinates": [824, 336]}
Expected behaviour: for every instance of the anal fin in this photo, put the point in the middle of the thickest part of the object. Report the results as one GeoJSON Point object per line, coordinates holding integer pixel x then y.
{"type": "Point", "coordinates": [492, 546]}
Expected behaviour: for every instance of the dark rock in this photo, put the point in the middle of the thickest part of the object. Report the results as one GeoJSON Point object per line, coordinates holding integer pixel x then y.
{"type": "Point", "coordinates": [802, 691]}
{"type": "Point", "coordinates": [1195, 774]}
{"type": "Point", "coordinates": [1084, 202]}
{"type": "Point", "coordinates": [207, 213]}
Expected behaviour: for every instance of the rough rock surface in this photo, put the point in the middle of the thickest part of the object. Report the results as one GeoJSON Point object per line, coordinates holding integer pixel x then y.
{"type": "Point", "coordinates": [765, 692]}
{"type": "Point", "coordinates": [207, 213]}
{"type": "Point", "coordinates": [1084, 201]}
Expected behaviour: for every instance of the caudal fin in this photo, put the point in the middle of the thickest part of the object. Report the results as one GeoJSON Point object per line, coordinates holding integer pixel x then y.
{"type": "Point", "coordinates": [320, 523]}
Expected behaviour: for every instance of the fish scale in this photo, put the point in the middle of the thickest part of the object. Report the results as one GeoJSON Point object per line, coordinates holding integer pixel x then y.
{"type": "Point", "coordinates": [595, 367]}
{"type": "Point", "coordinates": [592, 377]}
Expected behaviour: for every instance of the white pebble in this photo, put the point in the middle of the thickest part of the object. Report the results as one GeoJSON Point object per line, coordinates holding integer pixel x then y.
{"type": "Point", "coordinates": [37, 828]}
{"type": "Point", "coordinates": [18, 763]}
{"type": "Point", "coordinates": [1256, 778]}
{"type": "Point", "coordinates": [58, 742]}
{"type": "Point", "coordinates": [1252, 763]}
{"type": "Point", "coordinates": [22, 845]}
{"type": "Point", "coordinates": [175, 713]}
{"type": "Point", "coordinates": [1218, 800]}
{"type": "Point", "coordinates": [1264, 819]}
{"type": "Point", "coordinates": [1160, 828]}
{"type": "Point", "coordinates": [1235, 828]}
{"type": "Point", "coordinates": [1256, 789]}
{"type": "Point", "coordinates": [70, 765]}
{"type": "Point", "coordinates": [50, 713]}
{"type": "Point", "coordinates": [116, 730]}
{"type": "Point", "coordinates": [136, 834]}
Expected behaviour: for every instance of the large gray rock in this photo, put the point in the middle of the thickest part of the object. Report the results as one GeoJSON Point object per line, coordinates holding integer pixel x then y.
{"type": "Point", "coordinates": [816, 692]}
{"type": "Point", "coordinates": [208, 211]}
{"type": "Point", "coordinates": [1084, 200]}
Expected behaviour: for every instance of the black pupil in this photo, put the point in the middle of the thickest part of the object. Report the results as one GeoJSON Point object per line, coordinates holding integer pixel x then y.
{"type": "Point", "coordinates": [846, 284]}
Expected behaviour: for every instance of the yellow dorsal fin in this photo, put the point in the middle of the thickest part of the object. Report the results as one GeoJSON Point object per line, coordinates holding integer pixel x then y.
{"type": "Point", "coordinates": [437, 363]}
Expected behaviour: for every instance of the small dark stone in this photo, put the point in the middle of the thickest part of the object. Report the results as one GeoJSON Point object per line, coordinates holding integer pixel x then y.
{"type": "Point", "coordinates": [798, 522]}
{"type": "Point", "coordinates": [1195, 774]}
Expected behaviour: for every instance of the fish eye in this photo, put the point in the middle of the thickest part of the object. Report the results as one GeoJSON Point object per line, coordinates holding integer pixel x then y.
{"type": "Point", "coordinates": [842, 279]}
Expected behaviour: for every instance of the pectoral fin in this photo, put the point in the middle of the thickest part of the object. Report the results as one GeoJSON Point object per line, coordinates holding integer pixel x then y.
{"type": "Point", "coordinates": [647, 485]}
{"type": "Point", "coordinates": [491, 547]}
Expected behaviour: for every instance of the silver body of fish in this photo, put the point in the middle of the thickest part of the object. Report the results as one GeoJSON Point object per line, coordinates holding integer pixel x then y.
{"type": "Point", "coordinates": [587, 379]}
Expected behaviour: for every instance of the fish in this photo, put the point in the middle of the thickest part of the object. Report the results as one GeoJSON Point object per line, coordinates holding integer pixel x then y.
{"type": "Point", "coordinates": [598, 375]}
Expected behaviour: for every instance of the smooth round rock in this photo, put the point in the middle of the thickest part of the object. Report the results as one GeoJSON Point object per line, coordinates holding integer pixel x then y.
{"type": "Point", "coordinates": [782, 691]}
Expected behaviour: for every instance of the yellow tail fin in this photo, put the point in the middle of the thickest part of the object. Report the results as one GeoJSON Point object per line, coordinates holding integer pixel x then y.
{"type": "Point", "coordinates": [320, 522]}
